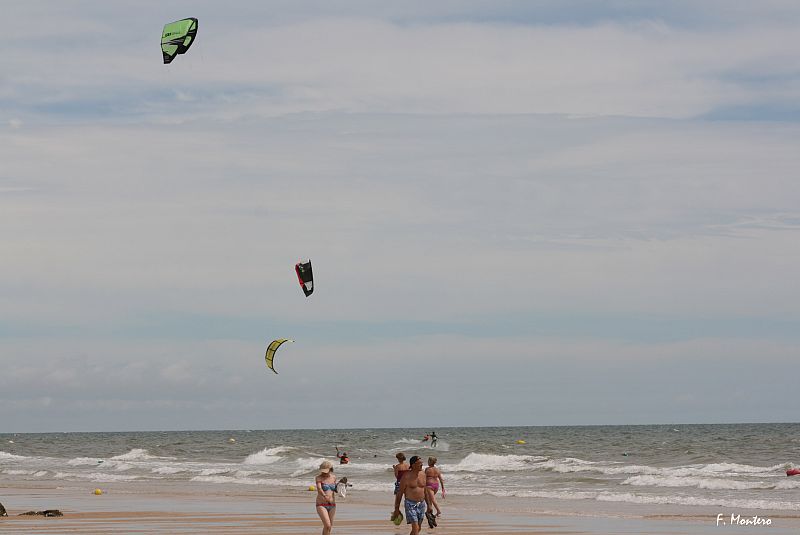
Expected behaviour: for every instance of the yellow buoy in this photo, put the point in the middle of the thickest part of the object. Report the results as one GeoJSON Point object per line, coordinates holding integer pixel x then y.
{"type": "Point", "coordinates": [312, 488]}
{"type": "Point", "coordinates": [98, 492]}
{"type": "Point", "coordinates": [520, 442]}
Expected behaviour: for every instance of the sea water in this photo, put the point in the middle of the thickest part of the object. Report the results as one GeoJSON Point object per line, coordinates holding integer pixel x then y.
{"type": "Point", "coordinates": [734, 466]}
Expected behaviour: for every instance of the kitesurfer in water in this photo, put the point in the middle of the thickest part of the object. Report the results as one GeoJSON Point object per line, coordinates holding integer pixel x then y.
{"type": "Point", "coordinates": [399, 469]}
{"type": "Point", "coordinates": [434, 439]}
{"type": "Point", "coordinates": [433, 480]}
{"type": "Point", "coordinates": [412, 488]}
{"type": "Point", "coordinates": [342, 456]}
{"type": "Point", "coordinates": [326, 496]}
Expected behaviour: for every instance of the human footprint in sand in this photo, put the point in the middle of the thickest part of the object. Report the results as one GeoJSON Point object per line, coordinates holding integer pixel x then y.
{"type": "Point", "coordinates": [433, 480]}
{"type": "Point", "coordinates": [326, 496]}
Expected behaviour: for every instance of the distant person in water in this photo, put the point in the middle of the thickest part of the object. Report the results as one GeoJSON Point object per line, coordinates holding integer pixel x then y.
{"type": "Point", "coordinates": [412, 488]}
{"type": "Point", "coordinates": [426, 438]}
{"type": "Point", "coordinates": [434, 439]}
{"type": "Point", "coordinates": [343, 458]}
{"type": "Point", "coordinates": [399, 469]}
{"type": "Point", "coordinates": [326, 496]}
{"type": "Point", "coordinates": [433, 481]}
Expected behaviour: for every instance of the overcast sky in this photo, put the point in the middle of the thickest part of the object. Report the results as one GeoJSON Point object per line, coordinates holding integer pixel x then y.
{"type": "Point", "coordinates": [519, 213]}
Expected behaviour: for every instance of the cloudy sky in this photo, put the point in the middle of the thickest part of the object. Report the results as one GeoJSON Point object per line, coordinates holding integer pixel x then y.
{"type": "Point", "coordinates": [519, 213]}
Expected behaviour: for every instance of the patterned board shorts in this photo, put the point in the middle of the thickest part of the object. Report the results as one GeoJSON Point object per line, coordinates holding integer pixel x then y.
{"type": "Point", "coordinates": [415, 511]}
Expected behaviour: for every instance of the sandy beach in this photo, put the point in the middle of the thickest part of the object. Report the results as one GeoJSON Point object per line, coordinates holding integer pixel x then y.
{"type": "Point", "coordinates": [170, 508]}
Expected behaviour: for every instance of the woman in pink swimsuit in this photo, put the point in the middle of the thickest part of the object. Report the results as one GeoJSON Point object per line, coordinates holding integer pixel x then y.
{"type": "Point", "coordinates": [433, 479]}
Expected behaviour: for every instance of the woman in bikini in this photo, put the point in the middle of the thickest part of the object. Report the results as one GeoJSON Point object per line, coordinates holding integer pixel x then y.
{"type": "Point", "coordinates": [399, 469]}
{"type": "Point", "coordinates": [326, 496]}
{"type": "Point", "coordinates": [433, 479]}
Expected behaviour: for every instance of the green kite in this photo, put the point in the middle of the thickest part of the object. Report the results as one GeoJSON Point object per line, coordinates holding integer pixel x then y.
{"type": "Point", "coordinates": [177, 37]}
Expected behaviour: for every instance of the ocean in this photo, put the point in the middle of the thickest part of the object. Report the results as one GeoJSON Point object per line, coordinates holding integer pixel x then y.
{"type": "Point", "coordinates": [735, 466]}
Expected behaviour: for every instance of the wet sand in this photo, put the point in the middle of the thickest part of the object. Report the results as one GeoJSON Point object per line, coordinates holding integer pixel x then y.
{"type": "Point", "coordinates": [174, 508]}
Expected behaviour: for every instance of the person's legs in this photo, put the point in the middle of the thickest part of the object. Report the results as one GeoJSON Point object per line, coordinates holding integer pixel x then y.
{"type": "Point", "coordinates": [415, 512]}
{"type": "Point", "coordinates": [327, 519]}
{"type": "Point", "coordinates": [435, 503]}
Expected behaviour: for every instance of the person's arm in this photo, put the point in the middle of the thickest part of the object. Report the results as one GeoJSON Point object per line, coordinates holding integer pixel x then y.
{"type": "Point", "coordinates": [441, 483]}
{"type": "Point", "coordinates": [397, 497]}
{"type": "Point", "coordinates": [320, 492]}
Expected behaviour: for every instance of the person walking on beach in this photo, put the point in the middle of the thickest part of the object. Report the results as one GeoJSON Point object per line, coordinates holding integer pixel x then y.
{"type": "Point", "coordinates": [433, 480]}
{"type": "Point", "coordinates": [399, 469]}
{"type": "Point", "coordinates": [326, 496]}
{"type": "Point", "coordinates": [412, 488]}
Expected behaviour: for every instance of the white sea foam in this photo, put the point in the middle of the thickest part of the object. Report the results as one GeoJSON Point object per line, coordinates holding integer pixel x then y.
{"type": "Point", "coordinates": [363, 468]}
{"type": "Point", "coordinates": [698, 482]}
{"type": "Point", "coordinates": [740, 468]}
{"type": "Point", "coordinates": [651, 499]}
{"type": "Point", "coordinates": [122, 467]}
{"type": "Point", "coordinates": [694, 500]}
{"type": "Point", "coordinates": [214, 471]}
{"type": "Point", "coordinates": [305, 465]}
{"type": "Point", "coordinates": [482, 462]}
{"type": "Point", "coordinates": [267, 455]}
{"type": "Point", "coordinates": [10, 457]}
{"type": "Point", "coordinates": [136, 454]}
{"type": "Point", "coordinates": [408, 441]}
{"type": "Point", "coordinates": [250, 481]}
{"type": "Point", "coordinates": [84, 461]}
{"type": "Point", "coordinates": [168, 470]}
{"type": "Point", "coordinates": [96, 477]}
{"type": "Point", "coordinates": [569, 465]}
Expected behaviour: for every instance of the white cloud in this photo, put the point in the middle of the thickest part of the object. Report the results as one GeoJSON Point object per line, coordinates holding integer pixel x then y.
{"type": "Point", "coordinates": [465, 188]}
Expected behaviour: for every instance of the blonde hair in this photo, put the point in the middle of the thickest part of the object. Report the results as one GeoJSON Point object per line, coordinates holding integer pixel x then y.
{"type": "Point", "coordinates": [400, 456]}
{"type": "Point", "coordinates": [432, 460]}
{"type": "Point", "coordinates": [325, 467]}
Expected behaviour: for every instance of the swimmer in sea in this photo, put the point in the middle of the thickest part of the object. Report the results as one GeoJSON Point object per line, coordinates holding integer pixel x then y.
{"type": "Point", "coordinates": [343, 458]}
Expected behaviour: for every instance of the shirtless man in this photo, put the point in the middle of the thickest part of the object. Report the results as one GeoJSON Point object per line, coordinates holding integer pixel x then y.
{"type": "Point", "coordinates": [412, 486]}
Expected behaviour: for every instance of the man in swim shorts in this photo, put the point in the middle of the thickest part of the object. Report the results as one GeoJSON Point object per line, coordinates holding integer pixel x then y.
{"type": "Point", "coordinates": [412, 488]}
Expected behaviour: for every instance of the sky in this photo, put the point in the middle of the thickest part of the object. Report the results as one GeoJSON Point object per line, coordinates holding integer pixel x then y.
{"type": "Point", "coordinates": [518, 213]}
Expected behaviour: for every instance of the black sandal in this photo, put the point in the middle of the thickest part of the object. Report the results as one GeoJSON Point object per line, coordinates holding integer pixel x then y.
{"type": "Point", "coordinates": [431, 519]}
